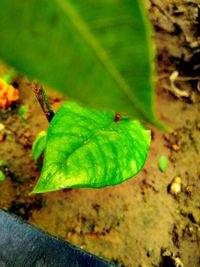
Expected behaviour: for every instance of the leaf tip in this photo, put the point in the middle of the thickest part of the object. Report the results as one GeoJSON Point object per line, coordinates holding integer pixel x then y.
{"type": "Point", "coordinates": [38, 188]}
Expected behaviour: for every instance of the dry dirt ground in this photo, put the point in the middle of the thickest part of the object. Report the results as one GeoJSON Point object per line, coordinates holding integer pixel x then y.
{"type": "Point", "coordinates": [138, 223]}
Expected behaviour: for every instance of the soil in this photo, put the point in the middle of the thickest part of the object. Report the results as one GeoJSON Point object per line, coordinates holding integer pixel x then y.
{"type": "Point", "coordinates": [141, 222]}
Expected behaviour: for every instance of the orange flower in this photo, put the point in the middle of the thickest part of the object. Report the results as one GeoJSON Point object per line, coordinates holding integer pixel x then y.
{"type": "Point", "coordinates": [8, 94]}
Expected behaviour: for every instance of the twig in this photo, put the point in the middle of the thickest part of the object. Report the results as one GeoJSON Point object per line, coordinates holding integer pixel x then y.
{"type": "Point", "coordinates": [44, 103]}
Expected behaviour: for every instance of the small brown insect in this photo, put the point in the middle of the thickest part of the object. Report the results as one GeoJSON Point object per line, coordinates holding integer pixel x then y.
{"type": "Point", "coordinates": [117, 117]}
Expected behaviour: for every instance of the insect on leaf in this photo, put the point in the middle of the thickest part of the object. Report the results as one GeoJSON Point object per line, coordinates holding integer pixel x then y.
{"type": "Point", "coordinates": [88, 148]}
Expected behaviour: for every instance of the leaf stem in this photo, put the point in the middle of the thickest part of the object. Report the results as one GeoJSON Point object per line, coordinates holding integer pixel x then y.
{"type": "Point", "coordinates": [43, 100]}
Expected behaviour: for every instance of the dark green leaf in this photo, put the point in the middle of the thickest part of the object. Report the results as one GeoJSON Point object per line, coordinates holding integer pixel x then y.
{"type": "Point", "coordinates": [39, 145]}
{"type": "Point", "coordinates": [96, 51]}
{"type": "Point", "coordinates": [87, 148]}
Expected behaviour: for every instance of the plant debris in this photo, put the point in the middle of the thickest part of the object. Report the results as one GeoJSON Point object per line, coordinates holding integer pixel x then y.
{"type": "Point", "coordinates": [163, 163]}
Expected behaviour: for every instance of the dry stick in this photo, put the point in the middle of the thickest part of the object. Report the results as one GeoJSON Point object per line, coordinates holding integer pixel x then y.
{"type": "Point", "coordinates": [44, 103]}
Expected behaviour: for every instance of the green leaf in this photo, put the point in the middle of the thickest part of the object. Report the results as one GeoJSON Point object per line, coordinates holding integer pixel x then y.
{"type": "Point", "coordinates": [23, 111]}
{"type": "Point", "coordinates": [1, 162]}
{"type": "Point", "coordinates": [39, 145]}
{"type": "Point", "coordinates": [98, 52]}
{"type": "Point", "coordinates": [163, 163]}
{"type": "Point", "coordinates": [2, 176]}
{"type": "Point", "coordinates": [87, 148]}
{"type": "Point", "coordinates": [8, 77]}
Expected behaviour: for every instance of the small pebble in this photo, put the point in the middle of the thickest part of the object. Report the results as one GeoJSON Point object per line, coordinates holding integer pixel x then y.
{"type": "Point", "coordinates": [198, 125]}
{"type": "Point", "coordinates": [175, 187]}
{"type": "Point", "coordinates": [178, 262]}
{"type": "Point", "coordinates": [2, 127]}
{"type": "Point", "coordinates": [177, 211]}
{"type": "Point", "coordinates": [191, 230]}
{"type": "Point", "coordinates": [175, 147]}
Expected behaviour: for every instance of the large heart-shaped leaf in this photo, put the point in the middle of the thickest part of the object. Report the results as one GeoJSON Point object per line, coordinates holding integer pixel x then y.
{"type": "Point", "coordinates": [88, 148]}
{"type": "Point", "coordinates": [98, 52]}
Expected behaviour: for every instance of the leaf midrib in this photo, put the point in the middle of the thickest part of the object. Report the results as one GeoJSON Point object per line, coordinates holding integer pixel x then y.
{"type": "Point", "coordinates": [81, 27]}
